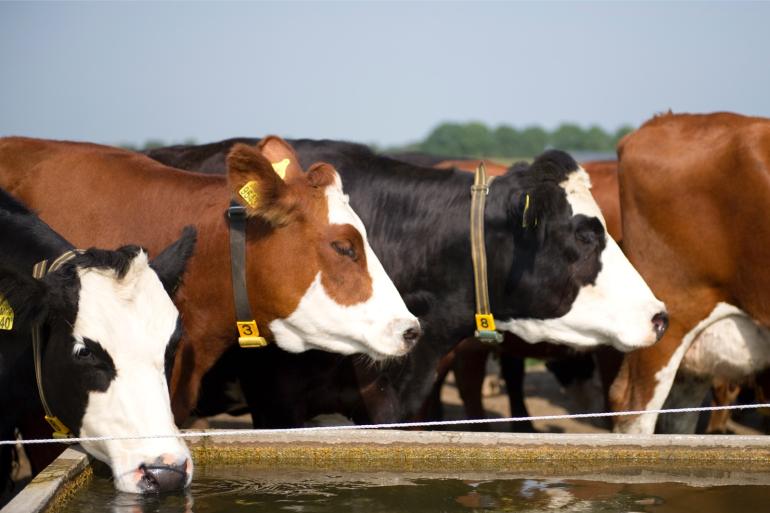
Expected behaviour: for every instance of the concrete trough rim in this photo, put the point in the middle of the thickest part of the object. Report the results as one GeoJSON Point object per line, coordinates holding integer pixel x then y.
{"type": "Point", "coordinates": [707, 460]}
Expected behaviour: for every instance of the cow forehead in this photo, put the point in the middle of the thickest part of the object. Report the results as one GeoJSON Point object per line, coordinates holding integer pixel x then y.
{"type": "Point", "coordinates": [132, 315]}
{"type": "Point", "coordinates": [340, 211]}
{"type": "Point", "coordinates": [577, 188]}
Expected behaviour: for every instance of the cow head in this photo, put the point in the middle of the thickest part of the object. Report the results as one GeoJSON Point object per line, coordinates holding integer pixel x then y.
{"type": "Point", "coordinates": [109, 333]}
{"type": "Point", "coordinates": [312, 275]}
{"type": "Point", "coordinates": [569, 282]}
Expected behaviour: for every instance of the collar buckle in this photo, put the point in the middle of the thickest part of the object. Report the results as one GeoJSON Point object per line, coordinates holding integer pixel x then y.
{"type": "Point", "coordinates": [236, 211]}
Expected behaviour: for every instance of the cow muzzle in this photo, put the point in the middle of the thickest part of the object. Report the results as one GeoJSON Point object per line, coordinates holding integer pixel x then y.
{"type": "Point", "coordinates": [660, 324]}
{"type": "Point", "coordinates": [159, 476]}
{"type": "Point", "coordinates": [405, 333]}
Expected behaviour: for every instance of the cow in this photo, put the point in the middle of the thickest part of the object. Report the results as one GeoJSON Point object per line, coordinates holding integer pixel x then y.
{"type": "Point", "coordinates": [468, 360]}
{"type": "Point", "coordinates": [694, 191]}
{"type": "Point", "coordinates": [108, 334]}
{"type": "Point", "coordinates": [313, 280]}
{"type": "Point", "coordinates": [549, 258]}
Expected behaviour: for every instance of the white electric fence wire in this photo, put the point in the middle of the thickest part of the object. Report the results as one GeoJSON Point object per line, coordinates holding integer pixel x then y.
{"type": "Point", "coordinates": [251, 432]}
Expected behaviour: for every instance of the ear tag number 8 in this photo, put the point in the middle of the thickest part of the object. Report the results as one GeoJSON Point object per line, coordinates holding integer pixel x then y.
{"type": "Point", "coordinates": [485, 322]}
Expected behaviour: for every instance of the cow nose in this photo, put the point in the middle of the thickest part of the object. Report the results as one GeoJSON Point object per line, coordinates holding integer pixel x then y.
{"type": "Point", "coordinates": [659, 324]}
{"type": "Point", "coordinates": [411, 336]}
{"type": "Point", "coordinates": [159, 478]}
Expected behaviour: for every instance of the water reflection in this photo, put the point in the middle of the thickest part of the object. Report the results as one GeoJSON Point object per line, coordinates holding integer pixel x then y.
{"type": "Point", "coordinates": [179, 502]}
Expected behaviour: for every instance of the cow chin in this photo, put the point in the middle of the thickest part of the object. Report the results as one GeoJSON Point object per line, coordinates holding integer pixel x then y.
{"type": "Point", "coordinates": [371, 327]}
{"type": "Point", "coordinates": [570, 332]}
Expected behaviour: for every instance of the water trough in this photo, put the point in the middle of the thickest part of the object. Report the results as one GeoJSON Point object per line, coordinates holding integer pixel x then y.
{"type": "Point", "coordinates": [689, 459]}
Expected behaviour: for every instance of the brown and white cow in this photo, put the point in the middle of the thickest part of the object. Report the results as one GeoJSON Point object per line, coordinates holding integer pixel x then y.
{"type": "Point", "coordinates": [694, 193]}
{"type": "Point", "coordinates": [313, 280]}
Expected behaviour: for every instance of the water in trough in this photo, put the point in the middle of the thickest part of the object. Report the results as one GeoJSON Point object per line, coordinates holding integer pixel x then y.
{"type": "Point", "coordinates": [241, 489]}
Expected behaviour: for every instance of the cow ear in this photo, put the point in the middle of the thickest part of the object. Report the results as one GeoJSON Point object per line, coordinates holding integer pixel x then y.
{"type": "Point", "coordinates": [258, 186]}
{"type": "Point", "coordinates": [526, 214]}
{"type": "Point", "coordinates": [170, 264]}
{"type": "Point", "coordinates": [23, 299]}
{"type": "Point", "coordinates": [281, 155]}
{"type": "Point", "coordinates": [322, 174]}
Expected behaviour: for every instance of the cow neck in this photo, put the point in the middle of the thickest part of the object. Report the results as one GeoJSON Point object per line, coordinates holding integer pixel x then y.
{"type": "Point", "coordinates": [485, 321]}
{"type": "Point", "coordinates": [39, 271]}
{"type": "Point", "coordinates": [248, 333]}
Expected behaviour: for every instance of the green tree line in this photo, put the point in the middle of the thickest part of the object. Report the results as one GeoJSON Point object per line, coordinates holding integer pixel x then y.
{"type": "Point", "coordinates": [476, 139]}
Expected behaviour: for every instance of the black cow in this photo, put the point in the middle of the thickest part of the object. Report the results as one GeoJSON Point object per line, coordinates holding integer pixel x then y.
{"type": "Point", "coordinates": [554, 274]}
{"type": "Point", "coordinates": [108, 331]}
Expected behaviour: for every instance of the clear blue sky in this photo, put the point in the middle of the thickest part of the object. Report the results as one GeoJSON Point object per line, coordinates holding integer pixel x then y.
{"type": "Point", "coordinates": [384, 72]}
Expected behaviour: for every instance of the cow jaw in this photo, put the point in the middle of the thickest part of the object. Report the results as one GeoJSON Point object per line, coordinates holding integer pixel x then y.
{"type": "Point", "coordinates": [132, 318]}
{"type": "Point", "coordinates": [374, 326]}
{"type": "Point", "coordinates": [616, 309]}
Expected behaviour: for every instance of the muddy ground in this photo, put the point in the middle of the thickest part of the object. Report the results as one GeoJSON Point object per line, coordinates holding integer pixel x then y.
{"type": "Point", "coordinates": [543, 396]}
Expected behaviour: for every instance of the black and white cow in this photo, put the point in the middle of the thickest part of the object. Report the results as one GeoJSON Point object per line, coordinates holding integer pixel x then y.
{"type": "Point", "coordinates": [109, 331]}
{"type": "Point", "coordinates": [554, 275]}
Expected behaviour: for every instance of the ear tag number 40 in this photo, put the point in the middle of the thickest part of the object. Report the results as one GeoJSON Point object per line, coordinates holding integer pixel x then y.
{"type": "Point", "coordinates": [6, 315]}
{"type": "Point", "coordinates": [248, 335]}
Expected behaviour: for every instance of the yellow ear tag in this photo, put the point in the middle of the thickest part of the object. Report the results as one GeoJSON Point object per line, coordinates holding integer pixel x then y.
{"type": "Point", "coordinates": [524, 215]}
{"type": "Point", "coordinates": [280, 168]}
{"type": "Point", "coordinates": [485, 322]}
{"type": "Point", "coordinates": [6, 315]}
{"type": "Point", "coordinates": [59, 429]}
{"type": "Point", "coordinates": [250, 193]}
{"type": "Point", "coordinates": [248, 334]}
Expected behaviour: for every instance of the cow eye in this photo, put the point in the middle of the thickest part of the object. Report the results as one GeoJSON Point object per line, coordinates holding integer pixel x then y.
{"type": "Point", "coordinates": [345, 248]}
{"type": "Point", "coordinates": [83, 353]}
{"type": "Point", "coordinates": [587, 237]}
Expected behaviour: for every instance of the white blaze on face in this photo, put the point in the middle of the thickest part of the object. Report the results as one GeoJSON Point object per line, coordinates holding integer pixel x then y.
{"type": "Point", "coordinates": [727, 343]}
{"type": "Point", "coordinates": [132, 319]}
{"type": "Point", "coordinates": [616, 310]}
{"type": "Point", "coordinates": [374, 327]}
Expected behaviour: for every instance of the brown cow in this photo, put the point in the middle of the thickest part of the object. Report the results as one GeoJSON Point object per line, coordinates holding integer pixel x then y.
{"type": "Point", "coordinates": [312, 277]}
{"type": "Point", "coordinates": [694, 193]}
{"type": "Point", "coordinates": [493, 168]}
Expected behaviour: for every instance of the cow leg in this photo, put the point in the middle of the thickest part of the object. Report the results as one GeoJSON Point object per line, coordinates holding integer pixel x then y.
{"type": "Point", "coordinates": [762, 392]}
{"type": "Point", "coordinates": [512, 369]}
{"type": "Point", "coordinates": [724, 393]}
{"type": "Point", "coordinates": [6, 466]}
{"type": "Point", "coordinates": [687, 391]}
{"type": "Point", "coordinates": [433, 409]}
{"type": "Point", "coordinates": [470, 368]}
{"type": "Point", "coordinates": [39, 455]}
{"type": "Point", "coordinates": [646, 375]}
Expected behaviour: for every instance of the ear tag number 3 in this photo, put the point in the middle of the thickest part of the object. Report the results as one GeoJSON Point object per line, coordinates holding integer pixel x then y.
{"type": "Point", "coordinates": [248, 335]}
